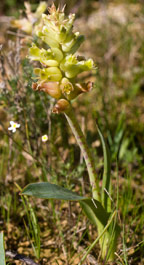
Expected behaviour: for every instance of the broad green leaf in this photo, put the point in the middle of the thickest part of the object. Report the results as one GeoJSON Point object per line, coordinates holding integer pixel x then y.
{"type": "Point", "coordinates": [92, 208]}
{"type": "Point", "coordinates": [106, 182]}
{"type": "Point", "coordinates": [46, 190]}
{"type": "Point", "coordinates": [2, 251]}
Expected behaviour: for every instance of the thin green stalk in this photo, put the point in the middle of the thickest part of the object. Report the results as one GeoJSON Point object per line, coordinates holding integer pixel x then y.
{"type": "Point", "coordinates": [2, 249]}
{"type": "Point", "coordinates": [106, 181]}
{"type": "Point", "coordinates": [34, 231]}
{"type": "Point", "coordinates": [70, 116]}
{"type": "Point", "coordinates": [28, 141]}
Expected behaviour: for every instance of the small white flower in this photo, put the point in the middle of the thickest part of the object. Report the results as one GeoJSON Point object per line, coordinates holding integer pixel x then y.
{"type": "Point", "coordinates": [13, 126]}
{"type": "Point", "coordinates": [44, 138]}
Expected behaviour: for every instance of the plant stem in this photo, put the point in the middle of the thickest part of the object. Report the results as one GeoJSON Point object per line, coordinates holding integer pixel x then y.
{"type": "Point", "coordinates": [70, 116]}
{"type": "Point", "coordinates": [98, 238]}
{"type": "Point", "coordinates": [107, 234]}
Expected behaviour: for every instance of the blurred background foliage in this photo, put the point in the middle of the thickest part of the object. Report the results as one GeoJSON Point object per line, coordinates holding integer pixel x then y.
{"type": "Point", "coordinates": [12, 7]}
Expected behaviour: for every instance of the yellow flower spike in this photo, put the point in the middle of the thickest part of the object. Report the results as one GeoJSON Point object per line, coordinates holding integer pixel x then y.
{"type": "Point", "coordinates": [59, 62]}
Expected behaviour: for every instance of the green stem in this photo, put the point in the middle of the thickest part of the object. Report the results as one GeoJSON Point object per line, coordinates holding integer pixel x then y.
{"type": "Point", "coordinates": [98, 238]}
{"type": "Point", "coordinates": [70, 116]}
{"type": "Point", "coordinates": [107, 235]}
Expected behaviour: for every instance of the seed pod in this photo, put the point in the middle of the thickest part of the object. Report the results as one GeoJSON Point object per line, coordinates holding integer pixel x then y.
{"type": "Point", "coordinates": [61, 106]}
{"type": "Point", "coordinates": [51, 88]}
{"type": "Point", "coordinates": [79, 88]}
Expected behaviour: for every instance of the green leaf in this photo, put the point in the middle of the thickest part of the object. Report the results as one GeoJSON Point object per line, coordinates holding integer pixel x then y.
{"type": "Point", "coordinates": [46, 190]}
{"type": "Point", "coordinates": [92, 208]}
{"type": "Point", "coordinates": [106, 184]}
{"type": "Point", "coordinates": [95, 212]}
{"type": "Point", "coordinates": [2, 251]}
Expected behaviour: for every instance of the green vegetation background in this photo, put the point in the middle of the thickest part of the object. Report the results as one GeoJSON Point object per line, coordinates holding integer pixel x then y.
{"type": "Point", "coordinates": [116, 42]}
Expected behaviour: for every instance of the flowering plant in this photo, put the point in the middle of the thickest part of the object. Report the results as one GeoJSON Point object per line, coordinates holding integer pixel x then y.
{"type": "Point", "coordinates": [13, 126]}
{"type": "Point", "coordinates": [57, 77]}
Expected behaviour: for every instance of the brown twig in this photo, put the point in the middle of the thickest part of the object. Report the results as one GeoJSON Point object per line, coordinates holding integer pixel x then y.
{"type": "Point", "coordinates": [18, 34]}
{"type": "Point", "coordinates": [20, 257]}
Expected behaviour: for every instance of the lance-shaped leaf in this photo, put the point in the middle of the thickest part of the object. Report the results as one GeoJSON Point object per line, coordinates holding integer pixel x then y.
{"type": "Point", "coordinates": [92, 208]}
{"type": "Point", "coordinates": [46, 190]}
{"type": "Point", "coordinates": [106, 183]}
{"type": "Point", "coordinates": [2, 251]}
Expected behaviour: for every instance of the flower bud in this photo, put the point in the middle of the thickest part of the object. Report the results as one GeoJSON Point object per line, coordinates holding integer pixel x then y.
{"type": "Point", "coordinates": [69, 42]}
{"type": "Point", "coordinates": [69, 23]}
{"type": "Point", "coordinates": [49, 74]}
{"type": "Point", "coordinates": [48, 39]}
{"type": "Point", "coordinates": [61, 106]}
{"type": "Point", "coordinates": [58, 55]}
{"type": "Point", "coordinates": [72, 67]}
{"type": "Point", "coordinates": [72, 46]}
{"type": "Point", "coordinates": [46, 57]}
{"type": "Point", "coordinates": [41, 9]}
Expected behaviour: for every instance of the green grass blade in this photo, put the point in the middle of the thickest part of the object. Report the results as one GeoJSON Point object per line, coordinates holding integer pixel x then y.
{"type": "Point", "coordinates": [2, 250]}
{"type": "Point", "coordinates": [106, 185]}
{"type": "Point", "coordinates": [98, 238]}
